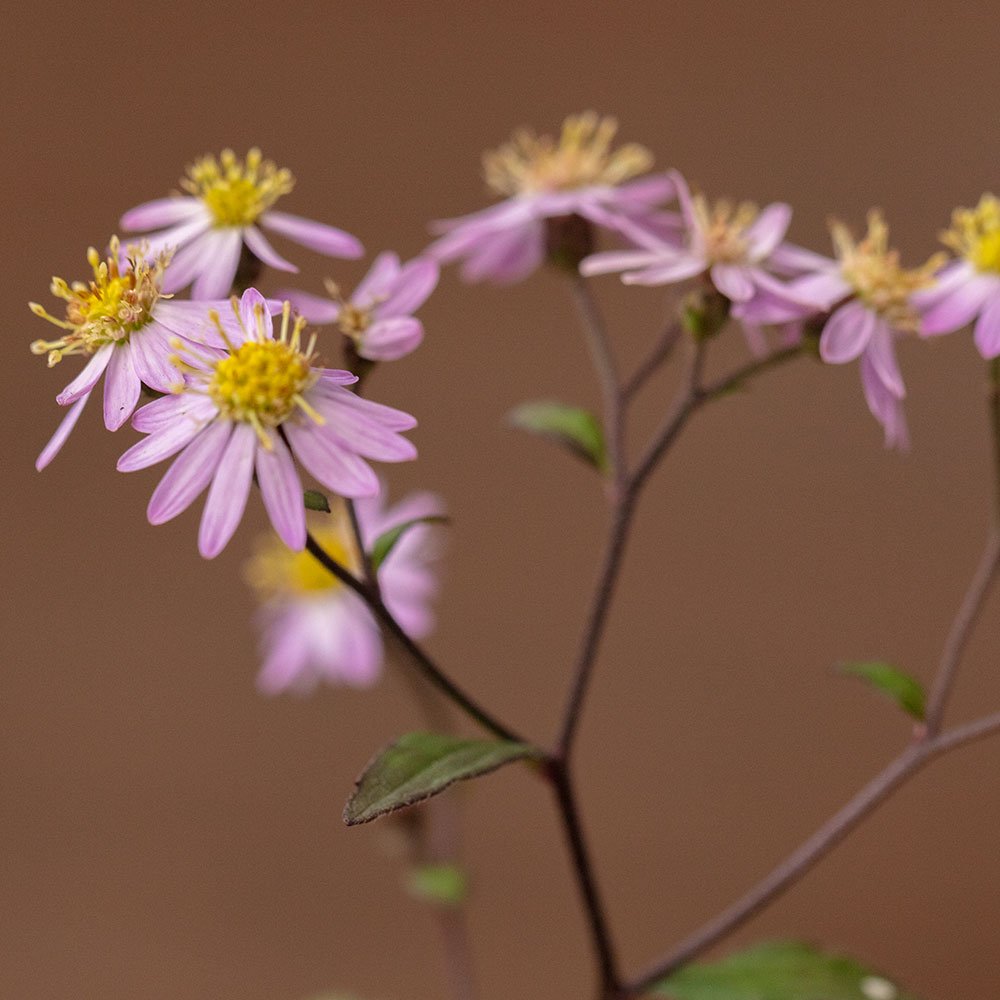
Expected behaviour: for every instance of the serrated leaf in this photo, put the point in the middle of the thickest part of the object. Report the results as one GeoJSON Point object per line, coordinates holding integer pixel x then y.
{"type": "Point", "coordinates": [419, 765]}
{"type": "Point", "coordinates": [572, 427]}
{"type": "Point", "coordinates": [441, 884]}
{"type": "Point", "coordinates": [314, 500]}
{"type": "Point", "coordinates": [785, 970]}
{"type": "Point", "coordinates": [905, 690]}
{"type": "Point", "coordinates": [386, 542]}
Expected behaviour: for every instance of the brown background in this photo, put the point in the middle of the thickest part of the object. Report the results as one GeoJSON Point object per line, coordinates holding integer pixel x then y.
{"type": "Point", "coordinates": [168, 833]}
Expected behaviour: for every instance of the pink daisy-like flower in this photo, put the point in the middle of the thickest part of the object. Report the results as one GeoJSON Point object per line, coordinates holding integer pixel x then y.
{"type": "Point", "coordinates": [734, 245]}
{"type": "Point", "coordinates": [541, 180]}
{"type": "Point", "coordinates": [210, 226]}
{"type": "Point", "coordinates": [254, 408]}
{"type": "Point", "coordinates": [968, 289]}
{"type": "Point", "coordinates": [377, 317]}
{"type": "Point", "coordinates": [313, 628]}
{"type": "Point", "coordinates": [122, 321]}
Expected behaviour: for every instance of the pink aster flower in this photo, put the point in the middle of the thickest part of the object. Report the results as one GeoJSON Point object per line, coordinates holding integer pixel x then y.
{"type": "Point", "coordinates": [253, 409]}
{"type": "Point", "coordinates": [313, 628]}
{"type": "Point", "coordinates": [123, 323]}
{"type": "Point", "coordinates": [968, 289]}
{"type": "Point", "coordinates": [377, 317]}
{"type": "Point", "coordinates": [210, 226]}
{"type": "Point", "coordinates": [734, 245]}
{"type": "Point", "coordinates": [542, 180]}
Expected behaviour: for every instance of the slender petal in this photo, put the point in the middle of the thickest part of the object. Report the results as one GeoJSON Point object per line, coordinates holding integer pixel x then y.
{"type": "Point", "coordinates": [177, 236]}
{"type": "Point", "coordinates": [258, 244]}
{"type": "Point", "coordinates": [227, 496]}
{"type": "Point", "coordinates": [188, 263]}
{"type": "Point", "coordinates": [734, 281]}
{"type": "Point", "coordinates": [189, 474]}
{"type": "Point", "coordinates": [318, 309]}
{"type": "Point", "coordinates": [281, 491]}
{"type": "Point", "coordinates": [768, 229]}
{"type": "Point", "coordinates": [365, 409]}
{"type": "Point", "coordinates": [987, 334]}
{"type": "Point", "coordinates": [253, 309]}
{"type": "Point", "coordinates": [87, 377]}
{"type": "Point", "coordinates": [314, 235]}
{"type": "Point", "coordinates": [332, 465]}
{"type": "Point", "coordinates": [58, 439]}
{"type": "Point", "coordinates": [381, 276]}
{"type": "Point", "coordinates": [961, 306]}
{"type": "Point", "coordinates": [160, 212]}
{"type": "Point", "coordinates": [160, 445]}
{"type": "Point", "coordinates": [622, 260]}
{"type": "Point", "coordinates": [151, 353]}
{"type": "Point", "coordinates": [509, 257]}
{"type": "Point", "coordinates": [881, 351]}
{"type": "Point", "coordinates": [846, 334]}
{"type": "Point", "coordinates": [215, 279]}
{"type": "Point", "coordinates": [680, 269]}
{"type": "Point", "coordinates": [392, 338]}
{"type": "Point", "coordinates": [121, 388]}
{"type": "Point", "coordinates": [168, 410]}
{"type": "Point", "coordinates": [418, 278]}
{"type": "Point", "coordinates": [885, 407]}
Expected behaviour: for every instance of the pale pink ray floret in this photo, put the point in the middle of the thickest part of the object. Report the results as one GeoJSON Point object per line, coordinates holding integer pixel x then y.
{"type": "Point", "coordinates": [541, 180]}
{"type": "Point", "coordinates": [123, 323]}
{"type": "Point", "coordinates": [227, 203]}
{"type": "Point", "coordinates": [253, 409]}
{"type": "Point", "coordinates": [377, 317]}
{"type": "Point", "coordinates": [315, 629]}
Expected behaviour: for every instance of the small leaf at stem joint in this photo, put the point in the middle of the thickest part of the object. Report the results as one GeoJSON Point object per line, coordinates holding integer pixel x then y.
{"type": "Point", "coordinates": [386, 542]}
{"type": "Point", "coordinates": [440, 884]}
{"type": "Point", "coordinates": [903, 689]}
{"type": "Point", "coordinates": [572, 427]}
{"type": "Point", "coordinates": [314, 500]}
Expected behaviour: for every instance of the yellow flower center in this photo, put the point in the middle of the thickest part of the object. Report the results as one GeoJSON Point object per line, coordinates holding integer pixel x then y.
{"type": "Point", "coordinates": [975, 234]}
{"type": "Point", "coordinates": [109, 308]}
{"type": "Point", "coordinates": [876, 275]}
{"type": "Point", "coordinates": [723, 228]}
{"type": "Point", "coordinates": [277, 571]}
{"type": "Point", "coordinates": [581, 157]}
{"type": "Point", "coordinates": [236, 191]}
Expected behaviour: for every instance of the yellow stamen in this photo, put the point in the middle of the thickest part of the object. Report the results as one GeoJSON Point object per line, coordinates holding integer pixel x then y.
{"type": "Point", "coordinates": [875, 273]}
{"type": "Point", "coordinates": [236, 191]}
{"type": "Point", "coordinates": [352, 320]}
{"type": "Point", "coordinates": [581, 157]}
{"type": "Point", "coordinates": [116, 303]}
{"type": "Point", "coordinates": [723, 227]}
{"type": "Point", "coordinates": [975, 234]}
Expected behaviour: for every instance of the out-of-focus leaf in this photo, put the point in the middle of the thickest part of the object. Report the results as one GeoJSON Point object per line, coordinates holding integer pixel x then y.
{"type": "Point", "coordinates": [314, 500]}
{"type": "Point", "coordinates": [386, 542]}
{"type": "Point", "coordinates": [419, 765]}
{"type": "Point", "coordinates": [442, 884]}
{"type": "Point", "coordinates": [572, 427]}
{"type": "Point", "coordinates": [780, 971]}
{"type": "Point", "coordinates": [907, 692]}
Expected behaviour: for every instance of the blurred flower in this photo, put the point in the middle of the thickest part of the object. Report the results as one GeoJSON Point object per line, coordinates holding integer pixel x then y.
{"type": "Point", "coordinates": [208, 227]}
{"type": "Point", "coordinates": [121, 320]}
{"type": "Point", "coordinates": [544, 179]}
{"type": "Point", "coordinates": [377, 317]}
{"type": "Point", "coordinates": [313, 628]}
{"type": "Point", "coordinates": [251, 409]}
{"type": "Point", "coordinates": [732, 243]}
{"type": "Point", "coordinates": [968, 289]}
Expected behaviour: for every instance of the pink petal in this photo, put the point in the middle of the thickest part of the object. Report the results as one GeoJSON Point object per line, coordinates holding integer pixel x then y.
{"type": "Point", "coordinates": [161, 444]}
{"type": "Point", "coordinates": [884, 406]}
{"type": "Point", "coordinates": [318, 309]}
{"type": "Point", "coordinates": [620, 260]}
{"type": "Point", "coordinates": [262, 249]}
{"type": "Point", "coordinates": [151, 352]}
{"type": "Point", "coordinates": [190, 473]}
{"type": "Point", "coordinates": [188, 263]}
{"type": "Point", "coordinates": [334, 376]}
{"type": "Point", "coordinates": [684, 200]}
{"type": "Point", "coordinates": [390, 339]}
{"type": "Point", "coordinates": [987, 334]}
{"type": "Point", "coordinates": [667, 273]}
{"type": "Point", "coordinates": [330, 464]}
{"type": "Point", "coordinates": [215, 279]}
{"type": "Point", "coordinates": [227, 496]}
{"type": "Point", "coordinates": [177, 237]}
{"type": "Point", "coordinates": [121, 388]}
{"type": "Point", "coordinates": [160, 212]}
{"type": "Point", "coordinates": [652, 190]}
{"type": "Point", "coordinates": [733, 281]}
{"type": "Point", "coordinates": [281, 491]}
{"type": "Point", "coordinates": [768, 229]}
{"type": "Point", "coordinates": [162, 413]}
{"type": "Point", "coordinates": [846, 334]}
{"type": "Point", "coordinates": [381, 276]}
{"type": "Point", "coordinates": [881, 351]}
{"type": "Point", "coordinates": [790, 259]}
{"type": "Point", "coordinates": [255, 316]}
{"type": "Point", "coordinates": [58, 439]}
{"type": "Point", "coordinates": [507, 256]}
{"type": "Point", "coordinates": [415, 283]}
{"type": "Point", "coordinates": [960, 306]}
{"type": "Point", "coordinates": [385, 416]}
{"type": "Point", "coordinates": [314, 235]}
{"type": "Point", "coordinates": [87, 377]}
{"type": "Point", "coordinates": [286, 654]}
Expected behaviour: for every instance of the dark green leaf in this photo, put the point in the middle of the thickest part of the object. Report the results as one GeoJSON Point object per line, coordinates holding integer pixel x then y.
{"type": "Point", "coordinates": [780, 971]}
{"type": "Point", "coordinates": [315, 500]}
{"type": "Point", "coordinates": [386, 542]}
{"type": "Point", "coordinates": [442, 884]}
{"type": "Point", "coordinates": [569, 426]}
{"type": "Point", "coordinates": [420, 765]}
{"type": "Point", "coordinates": [902, 688]}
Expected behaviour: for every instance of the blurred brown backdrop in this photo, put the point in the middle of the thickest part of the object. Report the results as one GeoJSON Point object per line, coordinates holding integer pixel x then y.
{"type": "Point", "coordinates": [167, 833]}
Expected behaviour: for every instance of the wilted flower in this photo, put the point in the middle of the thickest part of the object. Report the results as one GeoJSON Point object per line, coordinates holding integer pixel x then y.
{"type": "Point", "coordinates": [543, 179]}
{"type": "Point", "coordinates": [377, 317]}
{"type": "Point", "coordinates": [968, 289]}
{"type": "Point", "coordinates": [123, 323]}
{"type": "Point", "coordinates": [313, 628]}
{"type": "Point", "coordinates": [227, 199]}
{"type": "Point", "coordinates": [249, 410]}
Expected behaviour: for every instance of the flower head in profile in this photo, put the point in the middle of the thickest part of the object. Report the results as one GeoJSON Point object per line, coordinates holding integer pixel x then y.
{"type": "Point", "coordinates": [251, 410]}
{"type": "Point", "coordinates": [545, 180]}
{"type": "Point", "coordinates": [122, 322]}
{"type": "Point", "coordinates": [968, 289]}
{"type": "Point", "coordinates": [377, 318]}
{"type": "Point", "coordinates": [731, 243]}
{"type": "Point", "coordinates": [313, 628]}
{"type": "Point", "coordinates": [228, 200]}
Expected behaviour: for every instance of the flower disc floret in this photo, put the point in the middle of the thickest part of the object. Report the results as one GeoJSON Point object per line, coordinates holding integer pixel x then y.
{"type": "Point", "coordinates": [237, 192]}
{"type": "Point", "coordinates": [275, 571]}
{"type": "Point", "coordinates": [975, 234]}
{"type": "Point", "coordinates": [723, 229]}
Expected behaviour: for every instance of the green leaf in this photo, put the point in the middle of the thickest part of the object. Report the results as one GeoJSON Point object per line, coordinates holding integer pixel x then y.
{"type": "Point", "coordinates": [569, 426]}
{"type": "Point", "coordinates": [907, 692]}
{"type": "Point", "coordinates": [386, 542]}
{"type": "Point", "coordinates": [314, 500]}
{"type": "Point", "coordinates": [441, 884]}
{"type": "Point", "coordinates": [785, 970]}
{"type": "Point", "coordinates": [419, 765]}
